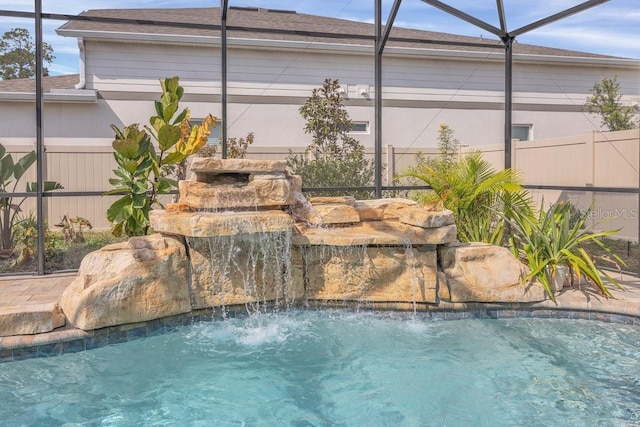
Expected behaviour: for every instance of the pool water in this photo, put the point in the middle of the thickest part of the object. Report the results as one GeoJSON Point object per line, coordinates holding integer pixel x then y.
{"type": "Point", "coordinates": [328, 368]}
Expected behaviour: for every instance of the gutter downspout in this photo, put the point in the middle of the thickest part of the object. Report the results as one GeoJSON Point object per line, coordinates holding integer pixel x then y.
{"type": "Point", "coordinates": [83, 80]}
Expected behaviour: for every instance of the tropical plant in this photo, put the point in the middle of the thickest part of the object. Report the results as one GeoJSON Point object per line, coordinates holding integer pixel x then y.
{"type": "Point", "coordinates": [73, 228]}
{"type": "Point", "coordinates": [550, 240]}
{"type": "Point", "coordinates": [479, 196]}
{"type": "Point", "coordinates": [10, 206]}
{"type": "Point", "coordinates": [334, 158]}
{"type": "Point", "coordinates": [143, 172]}
{"type": "Point", "coordinates": [605, 100]}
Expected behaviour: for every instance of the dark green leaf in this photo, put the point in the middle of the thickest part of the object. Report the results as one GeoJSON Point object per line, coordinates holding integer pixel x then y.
{"type": "Point", "coordinates": [164, 185]}
{"type": "Point", "coordinates": [6, 169]}
{"type": "Point", "coordinates": [168, 136]}
{"type": "Point", "coordinates": [120, 210]}
{"type": "Point", "coordinates": [23, 164]}
{"type": "Point", "coordinates": [173, 158]}
{"type": "Point", "coordinates": [52, 185]}
{"type": "Point", "coordinates": [181, 116]}
{"type": "Point", "coordinates": [115, 191]}
{"type": "Point", "coordinates": [130, 166]}
{"type": "Point", "coordinates": [128, 148]}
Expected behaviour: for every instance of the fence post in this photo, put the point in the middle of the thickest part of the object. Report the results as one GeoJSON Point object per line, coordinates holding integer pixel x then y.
{"type": "Point", "coordinates": [390, 165]}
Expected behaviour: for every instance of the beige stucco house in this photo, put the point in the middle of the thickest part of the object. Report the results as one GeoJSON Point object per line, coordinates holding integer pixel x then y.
{"type": "Point", "coordinates": [270, 75]}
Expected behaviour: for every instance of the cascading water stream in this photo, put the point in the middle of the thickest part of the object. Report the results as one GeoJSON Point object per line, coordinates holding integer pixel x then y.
{"type": "Point", "coordinates": [413, 277]}
{"type": "Point", "coordinates": [252, 268]}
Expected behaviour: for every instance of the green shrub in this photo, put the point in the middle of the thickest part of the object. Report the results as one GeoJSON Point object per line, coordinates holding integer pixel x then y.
{"type": "Point", "coordinates": [334, 158]}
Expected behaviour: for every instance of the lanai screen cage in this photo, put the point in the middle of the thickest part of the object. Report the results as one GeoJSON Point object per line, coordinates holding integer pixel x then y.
{"type": "Point", "coordinates": [377, 39]}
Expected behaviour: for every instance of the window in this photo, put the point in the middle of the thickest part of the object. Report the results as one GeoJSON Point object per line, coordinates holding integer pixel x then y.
{"type": "Point", "coordinates": [522, 132]}
{"type": "Point", "coordinates": [216, 132]}
{"type": "Point", "coordinates": [360, 127]}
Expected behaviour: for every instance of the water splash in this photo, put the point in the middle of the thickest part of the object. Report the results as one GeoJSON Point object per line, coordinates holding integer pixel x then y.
{"type": "Point", "coordinates": [304, 211]}
{"type": "Point", "coordinates": [253, 269]}
{"type": "Point", "coordinates": [410, 257]}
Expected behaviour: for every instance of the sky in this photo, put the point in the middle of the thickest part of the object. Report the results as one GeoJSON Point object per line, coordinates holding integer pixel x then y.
{"type": "Point", "coordinates": [612, 28]}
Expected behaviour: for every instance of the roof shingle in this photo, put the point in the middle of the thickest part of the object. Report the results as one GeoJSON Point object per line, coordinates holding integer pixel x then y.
{"type": "Point", "coordinates": [301, 24]}
{"type": "Point", "coordinates": [48, 82]}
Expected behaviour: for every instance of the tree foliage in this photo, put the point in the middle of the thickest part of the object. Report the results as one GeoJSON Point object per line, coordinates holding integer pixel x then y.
{"type": "Point", "coordinates": [605, 100]}
{"type": "Point", "coordinates": [18, 55]}
{"type": "Point", "coordinates": [236, 147]}
{"type": "Point", "coordinates": [334, 158]}
{"type": "Point", "coordinates": [328, 123]}
{"type": "Point", "coordinates": [144, 171]}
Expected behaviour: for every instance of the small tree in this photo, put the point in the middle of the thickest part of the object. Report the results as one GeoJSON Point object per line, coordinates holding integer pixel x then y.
{"type": "Point", "coordinates": [334, 158]}
{"type": "Point", "coordinates": [605, 100]}
{"type": "Point", "coordinates": [143, 172]}
{"type": "Point", "coordinates": [18, 55]}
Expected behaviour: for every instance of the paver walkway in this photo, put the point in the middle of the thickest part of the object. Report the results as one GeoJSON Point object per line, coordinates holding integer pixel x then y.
{"type": "Point", "coordinates": [28, 290]}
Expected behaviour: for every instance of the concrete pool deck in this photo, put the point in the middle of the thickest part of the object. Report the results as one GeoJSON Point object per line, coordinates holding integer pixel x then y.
{"type": "Point", "coordinates": [23, 293]}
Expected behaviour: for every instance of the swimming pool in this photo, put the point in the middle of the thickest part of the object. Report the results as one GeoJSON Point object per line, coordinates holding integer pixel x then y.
{"type": "Point", "coordinates": [340, 368]}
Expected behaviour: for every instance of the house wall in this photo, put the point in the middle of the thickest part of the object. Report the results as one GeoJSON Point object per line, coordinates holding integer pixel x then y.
{"type": "Point", "coordinates": [266, 89]}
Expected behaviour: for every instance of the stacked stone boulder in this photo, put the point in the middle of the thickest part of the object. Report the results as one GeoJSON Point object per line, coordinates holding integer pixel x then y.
{"type": "Point", "coordinates": [243, 233]}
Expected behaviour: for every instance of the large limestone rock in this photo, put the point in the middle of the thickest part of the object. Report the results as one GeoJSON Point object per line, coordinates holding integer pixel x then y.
{"type": "Point", "coordinates": [143, 279]}
{"type": "Point", "coordinates": [211, 224]}
{"type": "Point", "coordinates": [361, 273]}
{"type": "Point", "coordinates": [335, 210]}
{"type": "Point", "coordinates": [337, 200]}
{"type": "Point", "coordinates": [212, 165]}
{"type": "Point", "coordinates": [380, 209]}
{"type": "Point", "coordinates": [30, 319]}
{"type": "Point", "coordinates": [242, 269]}
{"type": "Point", "coordinates": [421, 217]}
{"type": "Point", "coordinates": [485, 273]}
{"type": "Point", "coordinates": [254, 194]}
{"type": "Point", "coordinates": [222, 184]}
{"type": "Point", "coordinates": [335, 213]}
{"type": "Point", "coordinates": [374, 233]}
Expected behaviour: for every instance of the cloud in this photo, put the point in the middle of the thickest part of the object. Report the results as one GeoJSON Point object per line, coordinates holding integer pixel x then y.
{"type": "Point", "coordinates": [57, 69]}
{"type": "Point", "coordinates": [608, 41]}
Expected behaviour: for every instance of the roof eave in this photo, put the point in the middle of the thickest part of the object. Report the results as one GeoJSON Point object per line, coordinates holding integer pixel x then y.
{"type": "Point", "coordinates": [74, 96]}
{"type": "Point", "coordinates": [577, 60]}
{"type": "Point", "coordinates": [340, 47]}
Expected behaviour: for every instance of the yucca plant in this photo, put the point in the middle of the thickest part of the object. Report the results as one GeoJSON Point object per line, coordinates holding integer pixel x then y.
{"type": "Point", "coordinates": [554, 239]}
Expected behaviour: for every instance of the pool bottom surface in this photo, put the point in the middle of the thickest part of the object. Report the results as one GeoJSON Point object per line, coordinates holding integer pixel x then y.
{"type": "Point", "coordinates": [334, 368]}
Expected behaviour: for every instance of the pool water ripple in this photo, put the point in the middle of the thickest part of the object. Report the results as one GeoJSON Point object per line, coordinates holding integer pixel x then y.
{"type": "Point", "coordinates": [336, 368]}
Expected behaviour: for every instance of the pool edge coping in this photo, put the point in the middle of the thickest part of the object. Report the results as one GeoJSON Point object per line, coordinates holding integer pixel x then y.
{"type": "Point", "coordinates": [71, 340]}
